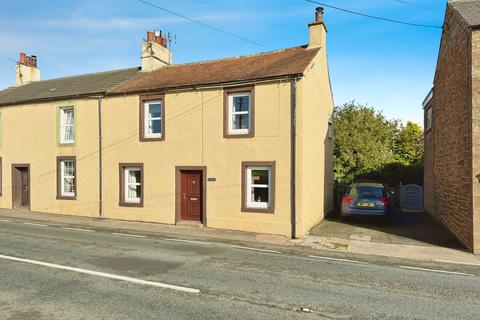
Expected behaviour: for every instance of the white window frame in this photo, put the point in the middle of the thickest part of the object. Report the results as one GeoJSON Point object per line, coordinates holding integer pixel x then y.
{"type": "Point", "coordinates": [64, 125]}
{"type": "Point", "coordinates": [249, 188]}
{"type": "Point", "coordinates": [126, 171]}
{"type": "Point", "coordinates": [63, 177]}
{"type": "Point", "coordinates": [232, 113]}
{"type": "Point", "coordinates": [147, 117]}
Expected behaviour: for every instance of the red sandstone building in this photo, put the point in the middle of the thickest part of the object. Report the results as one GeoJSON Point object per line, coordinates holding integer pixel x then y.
{"type": "Point", "coordinates": [452, 126]}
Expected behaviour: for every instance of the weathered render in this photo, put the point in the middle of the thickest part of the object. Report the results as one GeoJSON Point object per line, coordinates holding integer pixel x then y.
{"type": "Point", "coordinates": [291, 103]}
{"type": "Point", "coordinates": [452, 145]}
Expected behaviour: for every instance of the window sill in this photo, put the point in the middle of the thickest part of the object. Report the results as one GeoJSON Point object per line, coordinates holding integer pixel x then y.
{"type": "Point", "coordinates": [131, 205]}
{"type": "Point", "coordinates": [150, 139]}
{"type": "Point", "coordinates": [257, 210]}
{"type": "Point", "coordinates": [237, 136]}
{"type": "Point", "coordinates": [66, 144]}
{"type": "Point", "coordinates": [66, 198]}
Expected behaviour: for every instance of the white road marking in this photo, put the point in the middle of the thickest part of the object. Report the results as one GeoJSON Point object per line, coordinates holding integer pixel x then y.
{"type": "Point", "coordinates": [102, 274]}
{"type": "Point", "coordinates": [78, 229]}
{"type": "Point", "coordinates": [188, 241]}
{"type": "Point", "coordinates": [35, 224]}
{"type": "Point", "coordinates": [5, 220]}
{"type": "Point", "coordinates": [256, 249]}
{"type": "Point", "coordinates": [438, 271]}
{"type": "Point", "coordinates": [337, 259]}
{"type": "Point", "coordinates": [128, 235]}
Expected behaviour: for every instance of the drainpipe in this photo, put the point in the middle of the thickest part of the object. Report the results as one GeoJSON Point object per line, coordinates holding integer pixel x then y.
{"type": "Point", "coordinates": [100, 159]}
{"type": "Point", "coordinates": [293, 152]}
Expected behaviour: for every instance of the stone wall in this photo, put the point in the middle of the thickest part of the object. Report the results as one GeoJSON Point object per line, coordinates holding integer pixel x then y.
{"type": "Point", "coordinates": [452, 172]}
{"type": "Point", "coordinates": [475, 47]}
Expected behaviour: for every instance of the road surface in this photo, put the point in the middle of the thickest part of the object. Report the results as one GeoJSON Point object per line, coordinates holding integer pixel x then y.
{"type": "Point", "coordinates": [51, 273]}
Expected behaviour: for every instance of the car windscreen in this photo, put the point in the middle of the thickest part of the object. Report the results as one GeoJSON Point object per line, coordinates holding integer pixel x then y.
{"type": "Point", "coordinates": [366, 191]}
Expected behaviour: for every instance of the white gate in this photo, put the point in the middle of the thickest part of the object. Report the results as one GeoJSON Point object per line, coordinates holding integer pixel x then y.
{"type": "Point", "coordinates": [411, 197]}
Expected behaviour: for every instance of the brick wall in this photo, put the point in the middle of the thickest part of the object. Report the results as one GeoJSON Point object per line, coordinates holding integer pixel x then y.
{"type": "Point", "coordinates": [452, 173]}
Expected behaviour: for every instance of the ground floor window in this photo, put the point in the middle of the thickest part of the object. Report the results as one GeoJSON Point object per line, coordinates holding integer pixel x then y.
{"type": "Point", "coordinates": [258, 186]}
{"type": "Point", "coordinates": [131, 185]}
{"type": "Point", "coordinates": [66, 178]}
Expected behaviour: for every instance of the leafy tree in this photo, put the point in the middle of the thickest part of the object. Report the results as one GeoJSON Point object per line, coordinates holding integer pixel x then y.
{"type": "Point", "coordinates": [363, 140]}
{"type": "Point", "coordinates": [408, 144]}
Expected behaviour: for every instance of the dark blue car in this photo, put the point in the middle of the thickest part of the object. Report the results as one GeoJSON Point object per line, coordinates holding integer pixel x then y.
{"type": "Point", "coordinates": [367, 200]}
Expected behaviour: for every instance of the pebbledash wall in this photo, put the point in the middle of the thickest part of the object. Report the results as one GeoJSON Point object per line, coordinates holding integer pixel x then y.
{"type": "Point", "coordinates": [193, 137]}
{"type": "Point", "coordinates": [452, 150]}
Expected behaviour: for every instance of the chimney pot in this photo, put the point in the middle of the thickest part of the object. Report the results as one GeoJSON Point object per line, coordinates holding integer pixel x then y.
{"type": "Point", "coordinates": [22, 57]}
{"type": "Point", "coordinates": [319, 14]}
{"type": "Point", "coordinates": [34, 61]}
{"type": "Point", "coordinates": [149, 36]}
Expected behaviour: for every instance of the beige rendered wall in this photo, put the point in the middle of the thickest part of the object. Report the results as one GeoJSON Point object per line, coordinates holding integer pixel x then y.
{"type": "Point", "coordinates": [314, 147]}
{"type": "Point", "coordinates": [194, 137]}
{"type": "Point", "coordinates": [29, 135]}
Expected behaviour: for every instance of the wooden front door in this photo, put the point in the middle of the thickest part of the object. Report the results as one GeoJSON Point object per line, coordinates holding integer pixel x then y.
{"type": "Point", "coordinates": [191, 194]}
{"type": "Point", "coordinates": [21, 187]}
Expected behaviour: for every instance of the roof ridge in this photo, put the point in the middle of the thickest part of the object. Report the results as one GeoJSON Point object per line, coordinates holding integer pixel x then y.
{"type": "Point", "coordinates": [235, 57]}
{"type": "Point", "coordinates": [76, 76]}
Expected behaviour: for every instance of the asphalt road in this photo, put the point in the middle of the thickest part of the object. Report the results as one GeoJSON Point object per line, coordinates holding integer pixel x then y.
{"type": "Point", "coordinates": [233, 283]}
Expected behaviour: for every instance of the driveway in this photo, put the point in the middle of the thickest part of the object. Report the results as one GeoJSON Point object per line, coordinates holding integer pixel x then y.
{"type": "Point", "coordinates": [409, 228]}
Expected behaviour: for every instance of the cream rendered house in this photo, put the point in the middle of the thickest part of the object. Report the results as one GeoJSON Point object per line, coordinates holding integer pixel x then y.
{"type": "Point", "coordinates": [240, 143]}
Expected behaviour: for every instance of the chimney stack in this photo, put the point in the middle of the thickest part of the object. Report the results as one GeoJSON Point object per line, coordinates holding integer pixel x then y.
{"type": "Point", "coordinates": [26, 69]}
{"type": "Point", "coordinates": [155, 53]}
{"type": "Point", "coordinates": [318, 30]}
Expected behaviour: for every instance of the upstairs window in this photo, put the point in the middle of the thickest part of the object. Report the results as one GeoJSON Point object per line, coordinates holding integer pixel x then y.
{"type": "Point", "coordinates": [152, 120]}
{"type": "Point", "coordinates": [66, 178]}
{"type": "Point", "coordinates": [428, 119]}
{"type": "Point", "coordinates": [239, 120]}
{"type": "Point", "coordinates": [258, 186]}
{"type": "Point", "coordinates": [67, 125]}
{"type": "Point", "coordinates": [131, 185]}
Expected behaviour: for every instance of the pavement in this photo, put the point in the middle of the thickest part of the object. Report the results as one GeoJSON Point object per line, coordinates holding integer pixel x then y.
{"type": "Point", "coordinates": [413, 236]}
{"type": "Point", "coordinates": [51, 271]}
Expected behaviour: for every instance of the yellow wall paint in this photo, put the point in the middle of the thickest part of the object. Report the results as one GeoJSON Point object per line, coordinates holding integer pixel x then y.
{"type": "Point", "coordinates": [314, 148]}
{"type": "Point", "coordinates": [30, 136]}
{"type": "Point", "coordinates": [194, 137]}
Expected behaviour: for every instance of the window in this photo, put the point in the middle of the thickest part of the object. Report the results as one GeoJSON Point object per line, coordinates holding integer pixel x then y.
{"type": "Point", "coordinates": [428, 119]}
{"type": "Point", "coordinates": [330, 128]}
{"type": "Point", "coordinates": [152, 118]}
{"type": "Point", "coordinates": [67, 125]}
{"type": "Point", "coordinates": [66, 178]}
{"type": "Point", "coordinates": [258, 179]}
{"type": "Point", "coordinates": [239, 113]}
{"type": "Point", "coordinates": [131, 185]}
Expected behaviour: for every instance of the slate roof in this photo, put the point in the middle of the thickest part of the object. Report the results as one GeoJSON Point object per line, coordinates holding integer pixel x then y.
{"type": "Point", "coordinates": [68, 87]}
{"type": "Point", "coordinates": [272, 64]}
{"type": "Point", "coordinates": [469, 10]}
{"type": "Point", "coordinates": [287, 62]}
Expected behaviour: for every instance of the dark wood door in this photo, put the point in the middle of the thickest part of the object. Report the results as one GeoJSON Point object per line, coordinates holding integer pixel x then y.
{"type": "Point", "coordinates": [21, 187]}
{"type": "Point", "coordinates": [191, 194]}
{"type": "Point", "coordinates": [25, 180]}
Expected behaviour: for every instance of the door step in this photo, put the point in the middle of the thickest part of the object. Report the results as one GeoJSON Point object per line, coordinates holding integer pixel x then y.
{"type": "Point", "coordinates": [190, 224]}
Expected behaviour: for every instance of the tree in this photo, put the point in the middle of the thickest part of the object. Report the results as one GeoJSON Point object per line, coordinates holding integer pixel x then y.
{"type": "Point", "coordinates": [408, 144]}
{"type": "Point", "coordinates": [363, 140]}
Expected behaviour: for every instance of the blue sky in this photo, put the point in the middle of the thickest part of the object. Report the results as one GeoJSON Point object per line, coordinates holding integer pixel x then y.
{"type": "Point", "coordinates": [387, 66]}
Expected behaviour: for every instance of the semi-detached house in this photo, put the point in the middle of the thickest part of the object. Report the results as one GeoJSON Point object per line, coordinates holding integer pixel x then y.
{"type": "Point", "coordinates": [240, 143]}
